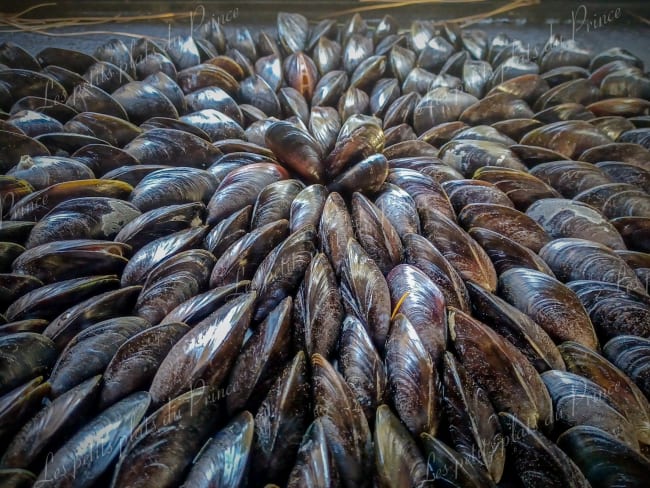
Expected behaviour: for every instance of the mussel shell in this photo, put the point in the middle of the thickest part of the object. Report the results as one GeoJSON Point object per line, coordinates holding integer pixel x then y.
{"type": "Point", "coordinates": [241, 187]}
{"type": "Point", "coordinates": [73, 60]}
{"type": "Point", "coordinates": [169, 146]}
{"type": "Point", "coordinates": [224, 331]}
{"type": "Point", "coordinates": [613, 309]}
{"type": "Point", "coordinates": [61, 260]}
{"type": "Point", "coordinates": [279, 274]}
{"type": "Point", "coordinates": [400, 209]}
{"type": "Point", "coordinates": [525, 87]}
{"type": "Point", "coordinates": [580, 259]}
{"type": "Point", "coordinates": [484, 132]}
{"type": "Point", "coordinates": [521, 187]}
{"type": "Point", "coordinates": [106, 75]}
{"type": "Point", "coordinates": [360, 138]}
{"type": "Point", "coordinates": [603, 459]}
{"type": "Point", "coordinates": [15, 146]}
{"type": "Point", "coordinates": [9, 251]}
{"type": "Point", "coordinates": [420, 300]}
{"type": "Point", "coordinates": [398, 460]}
{"type": "Point", "coordinates": [293, 104]}
{"type": "Point", "coordinates": [13, 286]}
{"type": "Point", "coordinates": [307, 207]}
{"type": "Point", "coordinates": [118, 422]}
{"type": "Point", "coordinates": [118, 132]}
{"type": "Point", "coordinates": [630, 354]}
{"type": "Point", "coordinates": [20, 404]}
{"type": "Point", "coordinates": [27, 325]}
{"type": "Point", "coordinates": [293, 32]}
{"type": "Point", "coordinates": [142, 101]}
{"type": "Point", "coordinates": [640, 263]}
{"type": "Point", "coordinates": [83, 218]}
{"type": "Point", "coordinates": [510, 380]}
{"type": "Point", "coordinates": [347, 434]}
{"type": "Point", "coordinates": [449, 468]}
{"type": "Point", "coordinates": [223, 461]}
{"type": "Point", "coordinates": [365, 176]}
{"type": "Point", "coordinates": [462, 251]}
{"type": "Point", "coordinates": [579, 401]}
{"type": "Point", "coordinates": [473, 424]}
{"type": "Point", "coordinates": [318, 309]}
{"type": "Point", "coordinates": [600, 195]}
{"type": "Point", "coordinates": [228, 231]}
{"type": "Point", "coordinates": [301, 73]}
{"type": "Point", "coordinates": [314, 464]}
{"type": "Point", "coordinates": [567, 218]}
{"type": "Point", "coordinates": [555, 136]}
{"type": "Point", "coordinates": [172, 435]}
{"type": "Point", "coordinates": [353, 101]}
{"type": "Point", "coordinates": [150, 255]}
{"type": "Point", "coordinates": [51, 424]}
{"type": "Point", "coordinates": [173, 186]}
{"type": "Point", "coordinates": [48, 301]}
{"type": "Point", "coordinates": [102, 158]}
{"type": "Point", "coordinates": [467, 156]}
{"type": "Point", "coordinates": [33, 123]}
{"type": "Point", "coordinates": [517, 128]}
{"type": "Point", "coordinates": [104, 306]}
{"type": "Point", "coordinates": [58, 110]}
{"type": "Point", "coordinates": [506, 253]}
{"type": "Point", "coordinates": [627, 152]}
{"type": "Point", "coordinates": [537, 458]}
{"type": "Point", "coordinates": [197, 308]}
{"type": "Point", "coordinates": [496, 107]}
{"type": "Point", "coordinates": [517, 328]}
{"type": "Point", "coordinates": [281, 421]}
{"type": "Point", "coordinates": [274, 202]}
{"type": "Point", "coordinates": [297, 149]}
{"type": "Point", "coordinates": [411, 148]}
{"type": "Point", "coordinates": [548, 302]}
{"type": "Point", "coordinates": [154, 62]}
{"type": "Point", "coordinates": [116, 52]}
{"type": "Point", "coordinates": [23, 83]}
{"type": "Point", "coordinates": [327, 55]}
{"type": "Point", "coordinates": [261, 359]}
{"type": "Point", "coordinates": [215, 124]}
{"type": "Point", "coordinates": [627, 398]}
{"type": "Point", "coordinates": [160, 222]}
{"type": "Point", "coordinates": [463, 192]}
{"type": "Point", "coordinates": [412, 378]}
{"type": "Point", "coordinates": [626, 173]}
{"type": "Point", "coordinates": [376, 233]}
{"type": "Point", "coordinates": [365, 292]}
{"type": "Point", "coordinates": [173, 281]}
{"type": "Point", "coordinates": [506, 221]}
{"type": "Point", "coordinates": [133, 175]}
{"type": "Point", "coordinates": [241, 260]}
{"type": "Point", "coordinates": [324, 125]}
{"type": "Point", "coordinates": [438, 106]}
{"type": "Point", "coordinates": [89, 352]}
{"type": "Point", "coordinates": [14, 56]}
{"type": "Point", "coordinates": [135, 362]}
{"type": "Point", "coordinates": [90, 98]}
{"type": "Point", "coordinates": [183, 52]}
{"type": "Point", "coordinates": [255, 91]}
{"type": "Point", "coordinates": [26, 355]}
{"type": "Point", "coordinates": [570, 178]}
{"type": "Point", "coordinates": [427, 193]}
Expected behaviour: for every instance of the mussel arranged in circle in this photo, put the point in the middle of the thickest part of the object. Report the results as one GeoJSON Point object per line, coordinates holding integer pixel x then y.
{"type": "Point", "coordinates": [329, 255]}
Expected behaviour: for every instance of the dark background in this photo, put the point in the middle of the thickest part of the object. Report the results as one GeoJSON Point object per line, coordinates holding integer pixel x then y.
{"type": "Point", "coordinates": [532, 24]}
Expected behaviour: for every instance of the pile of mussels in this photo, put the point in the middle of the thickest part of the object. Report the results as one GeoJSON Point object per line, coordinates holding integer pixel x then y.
{"type": "Point", "coordinates": [347, 256]}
